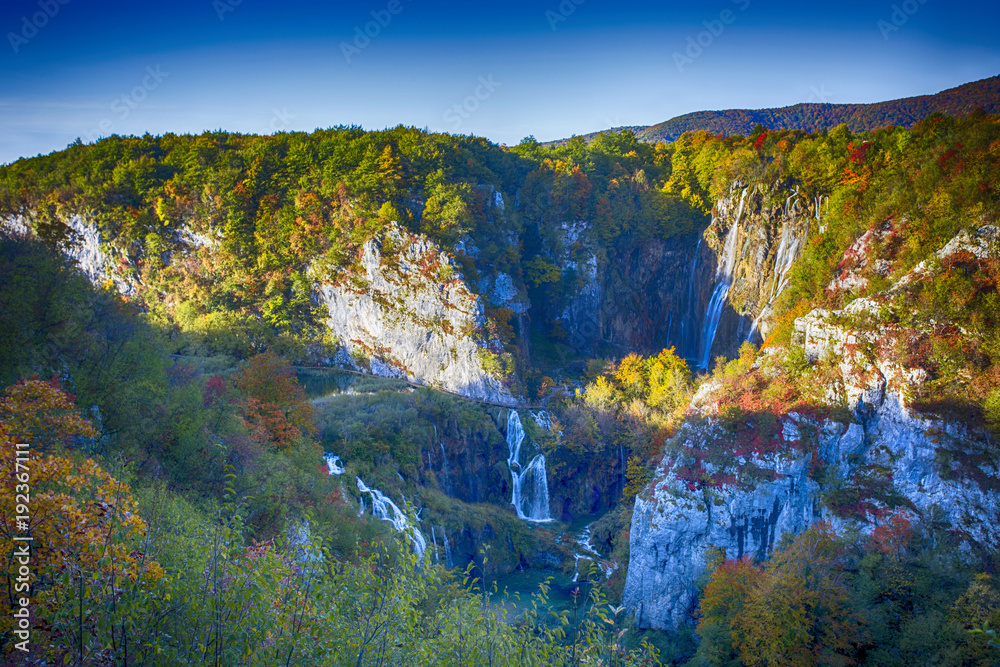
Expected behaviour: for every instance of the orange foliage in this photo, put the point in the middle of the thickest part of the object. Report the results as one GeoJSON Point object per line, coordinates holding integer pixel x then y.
{"type": "Point", "coordinates": [893, 535]}
{"type": "Point", "coordinates": [81, 519]}
{"type": "Point", "coordinates": [276, 407]}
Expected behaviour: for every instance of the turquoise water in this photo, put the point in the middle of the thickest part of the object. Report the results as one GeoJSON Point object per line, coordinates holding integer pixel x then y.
{"type": "Point", "coordinates": [521, 585]}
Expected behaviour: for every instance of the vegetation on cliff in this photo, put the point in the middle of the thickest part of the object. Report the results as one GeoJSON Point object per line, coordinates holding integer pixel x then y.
{"type": "Point", "coordinates": [178, 409]}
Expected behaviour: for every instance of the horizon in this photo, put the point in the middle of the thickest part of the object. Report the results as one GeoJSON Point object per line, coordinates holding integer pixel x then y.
{"type": "Point", "coordinates": [549, 69]}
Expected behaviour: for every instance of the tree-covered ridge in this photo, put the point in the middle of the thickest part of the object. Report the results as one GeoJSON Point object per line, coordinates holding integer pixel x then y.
{"type": "Point", "coordinates": [817, 116]}
{"type": "Point", "coordinates": [223, 457]}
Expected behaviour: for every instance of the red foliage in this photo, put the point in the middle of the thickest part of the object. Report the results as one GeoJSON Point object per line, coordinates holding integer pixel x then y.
{"type": "Point", "coordinates": [214, 389]}
{"type": "Point", "coordinates": [893, 535]}
{"type": "Point", "coordinates": [859, 153]}
{"type": "Point", "coordinates": [759, 144]}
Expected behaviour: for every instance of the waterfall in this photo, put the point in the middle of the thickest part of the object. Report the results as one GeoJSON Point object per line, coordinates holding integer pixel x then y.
{"type": "Point", "coordinates": [543, 419]}
{"type": "Point", "coordinates": [434, 539]}
{"type": "Point", "coordinates": [334, 465]}
{"type": "Point", "coordinates": [385, 509]}
{"type": "Point", "coordinates": [583, 541]}
{"type": "Point", "coordinates": [530, 486]}
{"type": "Point", "coordinates": [723, 281]}
{"type": "Point", "coordinates": [784, 258]}
{"type": "Point", "coordinates": [447, 550]}
{"type": "Point", "coordinates": [687, 346]}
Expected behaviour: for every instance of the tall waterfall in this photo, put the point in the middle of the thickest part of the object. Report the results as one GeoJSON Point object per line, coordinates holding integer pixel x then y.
{"type": "Point", "coordinates": [530, 495]}
{"type": "Point", "coordinates": [385, 509]}
{"type": "Point", "coordinates": [688, 344]}
{"type": "Point", "coordinates": [723, 281]}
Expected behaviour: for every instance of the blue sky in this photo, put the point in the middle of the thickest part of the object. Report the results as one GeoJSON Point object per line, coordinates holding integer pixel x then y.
{"type": "Point", "coordinates": [551, 68]}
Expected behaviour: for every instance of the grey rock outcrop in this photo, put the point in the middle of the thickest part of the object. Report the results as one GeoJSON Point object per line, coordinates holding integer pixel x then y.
{"type": "Point", "coordinates": [404, 311]}
{"type": "Point", "coordinates": [885, 457]}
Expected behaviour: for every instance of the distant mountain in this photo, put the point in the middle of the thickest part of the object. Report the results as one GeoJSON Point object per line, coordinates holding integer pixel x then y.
{"type": "Point", "coordinates": [959, 101]}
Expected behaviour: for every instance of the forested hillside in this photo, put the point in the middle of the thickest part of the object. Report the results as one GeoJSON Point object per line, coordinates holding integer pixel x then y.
{"type": "Point", "coordinates": [212, 486]}
{"type": "Point", "coordinates": [818, 116]}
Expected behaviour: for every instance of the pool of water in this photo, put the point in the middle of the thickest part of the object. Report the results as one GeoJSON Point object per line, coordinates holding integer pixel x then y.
{"type": "Point", "coordinates": [520, 586]}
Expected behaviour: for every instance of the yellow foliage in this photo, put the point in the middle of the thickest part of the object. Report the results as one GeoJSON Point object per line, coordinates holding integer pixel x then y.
{"type": "Point", "coordinates": [42, 415]}
{"type": "Point", "coordinates": [632, 376]}
{"type": "Point", "coordinates": [80, 518]}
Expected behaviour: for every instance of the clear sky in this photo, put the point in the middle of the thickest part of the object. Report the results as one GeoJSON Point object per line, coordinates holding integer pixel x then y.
{"type": "Point", "coordinates": [503, 70]}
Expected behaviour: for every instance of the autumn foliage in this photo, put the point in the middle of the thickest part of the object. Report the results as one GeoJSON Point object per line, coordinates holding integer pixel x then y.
{"type": "Point", "coordinates": [84, 523]}
{"type": "Point", "coordinates": [795, 611]}
{"type": "Point", "coordinates": [276, 408]}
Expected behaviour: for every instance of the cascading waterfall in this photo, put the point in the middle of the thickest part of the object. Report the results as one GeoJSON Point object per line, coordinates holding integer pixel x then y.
{"type": "Point", "coordinates": [788, 250]}
{"type": "Point", "coordinates": [723, 281]}
{"type": "Point", "coordinates": [530, 494]}
{"type": "Point", "coordinates": [583, 540]}
{"type": "Point", "coordinates": [334, 465]}
{"type": "Point", "coordinates": [385, 509]}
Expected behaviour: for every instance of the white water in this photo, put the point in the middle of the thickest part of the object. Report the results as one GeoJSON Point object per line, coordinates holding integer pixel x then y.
{"type": "Point", "coordinates": [788, 250]}
{"type": "Point", "coordinates": [583, 540]}
{"type": "Point", "coordinates": [530, 494]}
{"type": "Point", "coordinates": [723, 281]}
{"type": "Point", "coordinates": [543, 419]}
{"type": "Point", "coordinates": [385, 509]}
{"type": "Point", "coordinates": [334, 465]}
{"type": "Point", "coordinates": [434, 539]}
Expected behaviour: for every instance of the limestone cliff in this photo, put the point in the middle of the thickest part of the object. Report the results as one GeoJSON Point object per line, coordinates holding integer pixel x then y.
{"type": "Point", "coordinates": [702, 294]}
{"type": "Point", "coordinates": [403, 310]}
{"type": "Point", "coordinates": [708, 495]}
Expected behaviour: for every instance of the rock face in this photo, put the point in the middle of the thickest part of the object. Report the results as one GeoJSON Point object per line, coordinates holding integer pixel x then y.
{"type": "Point", "coordinates": [81, 241]}
{"type": "Point", "coordinates": [403, 311]}
{"type": "Point", "coordinates": [847, 473]}
{"type": "Point", "coordinates": [674, 527]}
{"type": "Point", "coordinates": [658, 293]}
{"type": "Point", "coordinates": [771, 224]}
